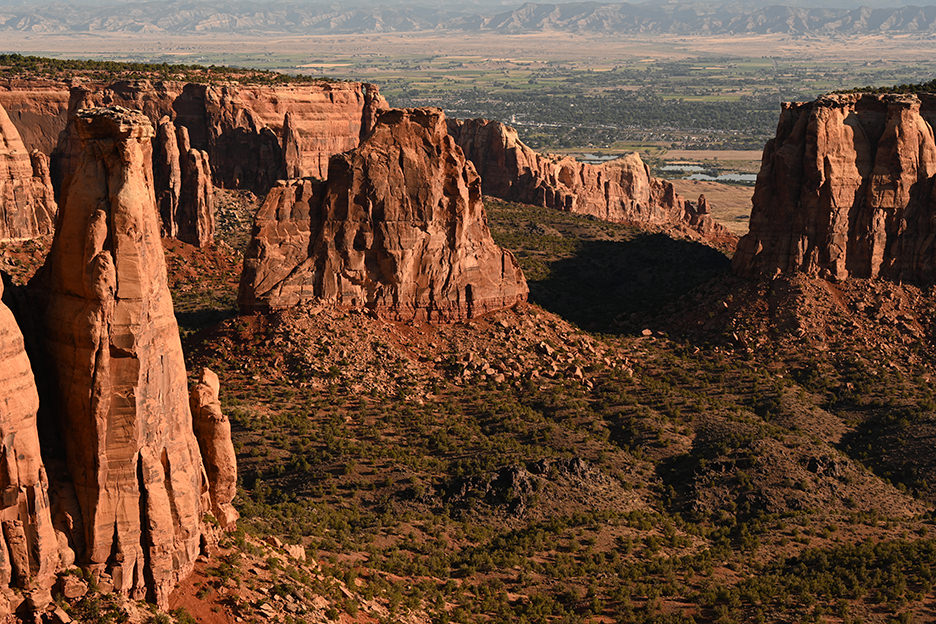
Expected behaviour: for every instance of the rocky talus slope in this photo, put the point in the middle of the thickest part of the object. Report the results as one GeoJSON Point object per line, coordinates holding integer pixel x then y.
{"type": "Point", "coordinates": [127, 489]}
{"type": "Point", "coordinates": [399, 227]}
{"type": "Point", "coordinates": [846, 189]}
{"type": "Point", "coordinates": [27, 207]}
{"type": "Point", "coordinates": [622, 190]}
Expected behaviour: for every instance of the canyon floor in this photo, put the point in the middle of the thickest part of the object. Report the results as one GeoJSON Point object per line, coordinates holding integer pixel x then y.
{"type": "Point", "coordinates": [648, 440]}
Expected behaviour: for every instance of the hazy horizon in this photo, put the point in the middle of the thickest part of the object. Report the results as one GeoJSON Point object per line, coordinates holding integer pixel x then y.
{"type": "Point", "coordinates": [471, 4]}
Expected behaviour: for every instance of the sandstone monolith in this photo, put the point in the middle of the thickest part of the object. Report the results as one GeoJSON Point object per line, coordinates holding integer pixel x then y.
{"type": "Point", "coordinates": [213, 432]}
{"type": "Point", "coordinates": [29, 550]}
{"type": "Point", "coordinates": [110, 339]}
{"type": "Point", "coordinates": [399, 228]}
{"type": "Point", "coordinates": [846, 189]}
{"type": "Point", "coordinates": [184, 192]}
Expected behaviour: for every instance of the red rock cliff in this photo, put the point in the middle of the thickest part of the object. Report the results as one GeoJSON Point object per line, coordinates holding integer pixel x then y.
{"type": "Point", "coordinates": [111, 341]}
{"type": "Point", "coordinates": [38, 108]}
{"type": "Point", "coordinates": [243, 128]}
{"type": "Point", "coordinates": [847, 189]}
{"type": "Point", "coordinates": [399, 227]}
{"type": "Point", "coordinates": [29, 552]}
{"type": "Point", "coordinates": [27, 207]}
{"type": "Point", "coordinates": [622, 190]}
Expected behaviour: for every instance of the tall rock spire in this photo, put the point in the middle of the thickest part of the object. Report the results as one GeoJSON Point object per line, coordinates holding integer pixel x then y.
{"type": "Point", "coordinates": [111, 338]}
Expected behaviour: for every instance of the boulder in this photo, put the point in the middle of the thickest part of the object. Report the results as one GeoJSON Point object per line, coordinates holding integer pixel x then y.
{"type": "Point", "coordinates": [398, 228]}
{"type": "Point", "coordinates": [621, 190]}
{"type": "Point", "coordinates": [27, 206]}
{"type": "Point", "coordinates": [111, 344]}
{"type": "Point", "coordinates": [846, 189]}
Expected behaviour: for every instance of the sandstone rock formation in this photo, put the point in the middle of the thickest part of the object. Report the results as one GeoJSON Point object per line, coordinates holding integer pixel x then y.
{"type": "Point", "coordinates": [182, 177]}
{"type": "Point", "coordinates": [399, 227]}
{"type": "Point", "coordinates": [846, 189]}
{"type": "Point", "coordinates": [243, 128]}
{"type": "Point", "coordinates": [29, 552]}
{"type": "Point", "coordinates": [621, 190]}
{"type": "Point", "coordinates": [112, 344]}
{"type": "Point", "coordinates": [167, 175]}
{"type": "Point", "coordinates": [213, 431]}
{"type": "Point", "coordinates": [27, 207]}
{"type": "Point", "coordinates": [38, 108]}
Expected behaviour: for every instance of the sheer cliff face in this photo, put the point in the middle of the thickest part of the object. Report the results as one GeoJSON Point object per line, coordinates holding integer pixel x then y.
{"type": "Point", "coordinates": [38, 108]}
{"type": "Point", "coordinates": [27, 207]}
{"type": "Point", "coordinates": [622, 190]}
{"type": "Point", "coordinates": [242, 128]}
{"type": "Point", "coordinates": [111, 340]}
{"type": "Point", "coordinates": [846, 189]}
{"type": "Point", "coordinates": [399, 227]}
{"type": "Point", "coordinates": [29, 552]}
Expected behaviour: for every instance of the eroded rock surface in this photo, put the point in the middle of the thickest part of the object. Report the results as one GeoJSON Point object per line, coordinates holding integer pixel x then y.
{"type": "Point", "coordinates": [112, 344]}
{"type": "Point", "coordinates": [243, 128]}
{"type": "Point", "coordinates": [399, 227]}
{"type": "Point", "coordinates": [621, 190]}
{"type": "Point", "coordinates": [27, 207]}
{"type": "Point", "coordinates": [183, 187]}
{"type": "Point", "coordinates": [846, 189]}
{"type": "Point", "coordinates": [29, 551]}
{"type": "Point", "coordinates": [213, 431]}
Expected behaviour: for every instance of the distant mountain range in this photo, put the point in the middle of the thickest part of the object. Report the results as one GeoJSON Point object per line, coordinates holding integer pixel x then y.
{"type": "Point", "coordinates": [193, 17]}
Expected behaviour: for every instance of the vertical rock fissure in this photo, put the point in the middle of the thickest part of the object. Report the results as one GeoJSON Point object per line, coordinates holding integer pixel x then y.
{"type": "Point", "coordinates": [146, 539]}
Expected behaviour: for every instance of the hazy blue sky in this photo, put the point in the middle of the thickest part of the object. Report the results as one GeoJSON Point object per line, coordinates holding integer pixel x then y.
{"type": "Point", "coordinates": [475, 3]}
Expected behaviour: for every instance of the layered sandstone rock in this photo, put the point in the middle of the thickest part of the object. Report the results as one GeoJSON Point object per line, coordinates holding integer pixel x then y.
{"type": "Point", "coordinates": [847, 189]}
{"type": "Point", "coordinates": [167, 175]}
{"type": "Point", "coordinates": [621, 190]}
{"type": "Point", "coordinates": [213, 431]}
{"type": "Point", "coordinates": [27, 207]}
{"type": "Point", "coordinates": [243, 128]}
{"type": "Point", "coordinates": [112, 345]}
{"type": "Point", "coordinates": [38, 108]}
{"type": "Point", "coordinates": [182, 178]}
{"type": "Point", "coordinates": [29, 550]}
{"type": "Point", "coordinates": [399, 227]}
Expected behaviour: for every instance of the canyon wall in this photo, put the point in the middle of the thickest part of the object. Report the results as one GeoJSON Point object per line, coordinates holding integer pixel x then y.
{"type": "Point", "coordinates": [38, 109]}
{"type": "Point", "coordinates": [243, 128]}
{"type": "Point", "coordinates": [621, 190]}
{"type": "Point", "coordinates": [846, 189]}
{"type": "Point", "coordinates": [399, 227]}
{"type": "Point", "coordinates": [27, 205]}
